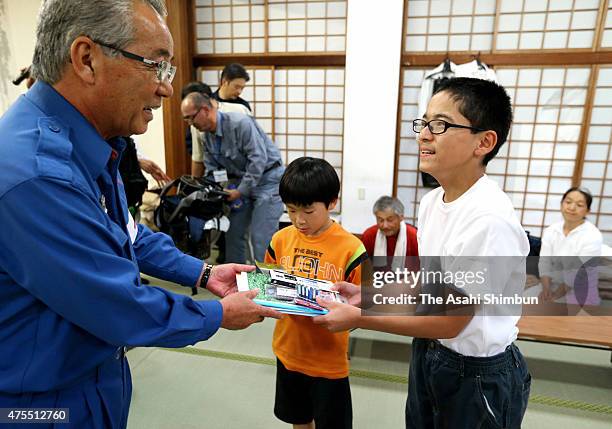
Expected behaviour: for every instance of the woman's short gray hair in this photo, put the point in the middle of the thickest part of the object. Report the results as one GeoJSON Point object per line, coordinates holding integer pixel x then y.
{"type": "Point", "coordinates": [62, 21]}
{"type": "Point", "coordinates": [386, 202]}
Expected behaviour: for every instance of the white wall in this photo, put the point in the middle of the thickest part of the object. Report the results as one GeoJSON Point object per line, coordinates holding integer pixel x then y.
{"type": "Point", "coordinates": [17, 35]}
{"type": "Point", "coordinates": [373, 54]}
{"type": "Point", "coordinates": [152, 142]}
{"type": "Point", "coordinates": [17, 39]}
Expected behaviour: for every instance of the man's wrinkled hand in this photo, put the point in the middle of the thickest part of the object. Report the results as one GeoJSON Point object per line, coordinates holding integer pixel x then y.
{"type": "Point", "coordinates": [239, 310]}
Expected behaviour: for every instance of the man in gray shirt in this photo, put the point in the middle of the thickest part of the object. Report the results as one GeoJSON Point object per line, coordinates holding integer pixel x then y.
{"type": "Point", "coordinates": [236, 149]}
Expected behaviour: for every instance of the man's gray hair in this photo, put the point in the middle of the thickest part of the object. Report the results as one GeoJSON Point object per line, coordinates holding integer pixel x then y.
{"type": "Point", "coordinates": [198, 99]}
{"type": "Point", "coordinates": [386, 202]}
{"type": "Point", "coordinates": [62, 21]}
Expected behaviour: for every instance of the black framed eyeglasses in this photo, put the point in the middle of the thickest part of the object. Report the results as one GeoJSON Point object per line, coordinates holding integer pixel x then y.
{"type": "Point", "coordinates": [165, 70]}
{"type": "Point", "coordinates": [438, 126]}
{"type": "Point", "coordinates": [190, 118]}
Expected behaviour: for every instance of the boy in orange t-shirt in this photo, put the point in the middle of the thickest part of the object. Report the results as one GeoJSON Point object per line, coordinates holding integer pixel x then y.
{"type": "Point", "coordinates": [312, 386]}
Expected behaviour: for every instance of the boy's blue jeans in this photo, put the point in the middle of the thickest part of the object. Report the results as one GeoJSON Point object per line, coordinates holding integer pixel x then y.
{"type": "Point", "coordinates": [449, 390]}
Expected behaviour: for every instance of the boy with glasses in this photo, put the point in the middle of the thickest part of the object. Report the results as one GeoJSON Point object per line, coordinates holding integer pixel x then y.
{"type": "Point", "coordinates": [465, 371]}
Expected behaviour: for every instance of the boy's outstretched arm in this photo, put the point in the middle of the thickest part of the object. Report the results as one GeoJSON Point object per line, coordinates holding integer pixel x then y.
{"type": "Point", "coordinates": [342, 317]}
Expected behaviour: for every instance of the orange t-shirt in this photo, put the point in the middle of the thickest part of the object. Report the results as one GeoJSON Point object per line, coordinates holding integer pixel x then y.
{"type": "Point", "coordinates": [335, 255]}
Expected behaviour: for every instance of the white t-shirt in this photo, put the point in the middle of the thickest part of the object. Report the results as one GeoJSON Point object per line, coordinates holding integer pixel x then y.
{"type": "Point", "coordinates": [480, 223]}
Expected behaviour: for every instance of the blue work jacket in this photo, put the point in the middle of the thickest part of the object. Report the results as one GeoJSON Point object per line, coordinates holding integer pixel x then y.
{"type": "Point", "coordinates": [70, 258]}
{"type": "Point", "coordinates": [241, 147]}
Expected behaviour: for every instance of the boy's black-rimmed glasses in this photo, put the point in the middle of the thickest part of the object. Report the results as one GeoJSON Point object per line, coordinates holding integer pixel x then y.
{"type": "Point", "coordinates": [438, 126]}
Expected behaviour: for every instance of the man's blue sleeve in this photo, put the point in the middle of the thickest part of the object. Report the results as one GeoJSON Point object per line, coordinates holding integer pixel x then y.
{"type": "Point", "coordinates": [158, 256]}
{"type": "Point", "coordinates": [59, 245]}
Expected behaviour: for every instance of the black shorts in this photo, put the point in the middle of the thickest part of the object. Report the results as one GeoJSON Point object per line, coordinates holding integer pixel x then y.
{"type": "Point", "coordinates": [301, 399]}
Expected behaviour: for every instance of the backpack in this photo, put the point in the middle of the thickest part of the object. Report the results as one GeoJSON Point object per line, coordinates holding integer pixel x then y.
{"type": "Point", "coordinates": [185, 205]}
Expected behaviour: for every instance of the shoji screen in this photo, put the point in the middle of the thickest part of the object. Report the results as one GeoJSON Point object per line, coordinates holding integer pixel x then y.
{"type": "Point", "coordinates": [301, 109]}
{"type": "Point", "coordinates": [550, 103]}
{"type": "Point", "coordinates": [306, 26]}
{"type": "Point", "coordinates": [476, 25]}
{"type": "Point", "coordinates": [597, 171]}
{"type": "Point", "coordinates": [449, 25]}
{"type": "Point", "coordinates": [308, 114]}
{"type": "Point", "coordinates": [409, 184]}
{"type": "Point", "coordinates": [536, 165]}
{"type": "Point", "coordinates": [258, 92]}
{"type": "Point", "coordinates": [308, 110]}
{"type": "Point", "coordinates": [261, 26]}
{"type": "Point", "coordinates": [606, 41]}
{"type": "Point", "coordinates": [542, 24]}
{"type": "Point", "coordinates": [230, 26]}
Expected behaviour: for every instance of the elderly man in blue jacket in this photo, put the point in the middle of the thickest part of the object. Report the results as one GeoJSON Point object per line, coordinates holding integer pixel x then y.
{"type": "Point", "coordinates": [70, 254]}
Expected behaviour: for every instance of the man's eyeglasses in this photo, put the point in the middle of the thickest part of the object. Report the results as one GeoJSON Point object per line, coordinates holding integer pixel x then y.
{"type": "Point", "coordinates": [438, 126]}
{"type": "Point", "coordinates": [190, 118]}
{"type": "Point", "coordinates": [165, 70]}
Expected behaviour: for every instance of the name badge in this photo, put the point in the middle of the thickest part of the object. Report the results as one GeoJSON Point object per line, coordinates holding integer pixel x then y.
{"type": "Point", "coordinates": [220, 176]}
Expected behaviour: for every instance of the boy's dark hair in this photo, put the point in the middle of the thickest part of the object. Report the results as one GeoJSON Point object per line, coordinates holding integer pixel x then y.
{"type": "Point", "coordinates": [485, 104]}
{"type": "Point", "coordinates": [309, 180]}
{"type": "Point", "coordinates": [195, 86]}
{"type": "Point", "coordinates": [234, 71]}
{"type": "Point", "coordinates": [585, 193]}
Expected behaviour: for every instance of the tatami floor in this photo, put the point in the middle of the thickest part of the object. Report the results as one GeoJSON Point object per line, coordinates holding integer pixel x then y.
{"type": "Point", "coordinates": [228, 382]}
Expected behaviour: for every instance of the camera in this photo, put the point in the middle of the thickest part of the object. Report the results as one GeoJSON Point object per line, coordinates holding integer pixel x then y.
{"type": "Point", "coordinates": [25, 74]}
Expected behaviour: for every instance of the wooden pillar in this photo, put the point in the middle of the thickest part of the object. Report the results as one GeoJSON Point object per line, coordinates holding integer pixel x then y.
{"type": "Point", "coordinates": [180, 24]}
{"type": "Point", "coordinates": [583, 140]}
